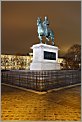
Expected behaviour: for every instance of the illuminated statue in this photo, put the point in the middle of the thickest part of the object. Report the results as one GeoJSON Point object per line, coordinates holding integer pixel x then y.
{"type": "Point", "coordinates": [44, 30]}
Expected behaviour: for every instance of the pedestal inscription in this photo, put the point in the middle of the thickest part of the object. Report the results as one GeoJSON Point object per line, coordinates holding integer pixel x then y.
{"type": "Point", "coordinates": [49, 55]}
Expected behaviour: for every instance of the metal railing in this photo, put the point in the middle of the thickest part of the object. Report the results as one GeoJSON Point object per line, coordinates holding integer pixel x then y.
{"type": "Point", "coordinates": [41, 80]}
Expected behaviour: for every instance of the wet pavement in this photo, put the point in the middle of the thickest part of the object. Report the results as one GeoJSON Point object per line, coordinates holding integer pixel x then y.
{"type": "Point", "coordinates": [64, 104]}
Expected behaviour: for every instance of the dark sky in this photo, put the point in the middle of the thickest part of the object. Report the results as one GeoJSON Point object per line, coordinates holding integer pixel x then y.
{"type": "Point", "coordinates": [19, 24]}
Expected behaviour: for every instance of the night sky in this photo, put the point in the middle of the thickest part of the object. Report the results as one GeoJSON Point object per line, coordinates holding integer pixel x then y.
{"type": "Point", "coordinates": [19, 24]}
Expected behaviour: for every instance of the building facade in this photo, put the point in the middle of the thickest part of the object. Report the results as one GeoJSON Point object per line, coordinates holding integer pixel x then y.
{"type": "Point", "coordinates": [15, 62]}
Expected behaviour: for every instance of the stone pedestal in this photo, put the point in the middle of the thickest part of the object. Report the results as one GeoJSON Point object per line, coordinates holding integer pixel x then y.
{"type": "Point", "coordinates": [44, 57]}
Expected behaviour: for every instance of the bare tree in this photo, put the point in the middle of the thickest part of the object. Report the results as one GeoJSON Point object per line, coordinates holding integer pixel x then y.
{"type": "Point", "coordinates": [73, 57]}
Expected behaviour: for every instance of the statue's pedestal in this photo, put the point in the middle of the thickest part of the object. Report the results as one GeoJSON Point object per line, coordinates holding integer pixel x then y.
{"type": "Point", "coordinates": [44, 57]}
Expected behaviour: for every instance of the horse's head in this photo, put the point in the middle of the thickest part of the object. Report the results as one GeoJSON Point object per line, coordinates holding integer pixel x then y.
{"type": "Point", "coordinates": [39, 21]}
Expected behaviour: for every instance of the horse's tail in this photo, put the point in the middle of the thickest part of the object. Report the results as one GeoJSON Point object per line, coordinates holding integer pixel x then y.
{"type": "Point", "coordinates": [51, 33]}
{"type": "Point", "coordinates": [52, 36]}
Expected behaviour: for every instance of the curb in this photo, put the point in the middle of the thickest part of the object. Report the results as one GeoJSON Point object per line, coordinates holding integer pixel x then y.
{"type": "Point", "coordinates": [33, 91]}
{"type": "Point", "coordinates": [21, 88]}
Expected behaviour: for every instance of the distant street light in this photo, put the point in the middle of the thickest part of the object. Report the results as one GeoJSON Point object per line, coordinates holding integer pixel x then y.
{"type": "Point", "coordinates": [75, 57]}
{"type": "Point", "coordinates": [79, 65]}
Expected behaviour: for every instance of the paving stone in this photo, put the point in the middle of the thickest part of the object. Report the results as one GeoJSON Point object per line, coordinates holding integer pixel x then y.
{"type": "Point", "coordinates": [57, 105]}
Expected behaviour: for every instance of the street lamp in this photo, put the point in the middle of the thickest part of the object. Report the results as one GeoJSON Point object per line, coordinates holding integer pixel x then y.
{"type": "Point", "coordinates": [75, 57]}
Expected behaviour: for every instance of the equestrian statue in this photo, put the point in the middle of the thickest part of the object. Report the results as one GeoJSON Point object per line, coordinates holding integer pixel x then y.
{"type": "Point", "coordinates": [44, 30]}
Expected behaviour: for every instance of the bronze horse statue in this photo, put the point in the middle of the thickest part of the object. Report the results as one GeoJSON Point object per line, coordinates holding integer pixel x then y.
{"type": "Point", "coordinates": [44, 30]}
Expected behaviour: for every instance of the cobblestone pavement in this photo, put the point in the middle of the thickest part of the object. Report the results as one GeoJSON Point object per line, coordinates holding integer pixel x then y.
{"type": "Point", "coordinates": [57, 105]}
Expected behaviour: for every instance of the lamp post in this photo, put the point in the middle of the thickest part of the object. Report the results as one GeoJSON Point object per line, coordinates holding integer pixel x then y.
{"type": "Point", "coordinates": [75, 57]}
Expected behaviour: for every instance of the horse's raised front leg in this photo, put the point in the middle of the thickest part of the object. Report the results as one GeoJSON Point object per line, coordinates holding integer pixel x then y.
{"type": "Point", "coordinates": [40, 37]}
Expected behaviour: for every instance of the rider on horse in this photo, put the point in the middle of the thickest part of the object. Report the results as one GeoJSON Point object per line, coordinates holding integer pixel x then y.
{"type": "Point", "coordinates": [44, 30]}
{"type": "Point", "coordinates": [46, 24]}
